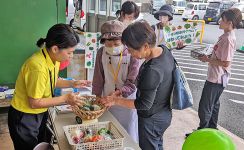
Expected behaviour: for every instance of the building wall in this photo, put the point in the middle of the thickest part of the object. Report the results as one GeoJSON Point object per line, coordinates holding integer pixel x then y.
{"type": "Point", "coordinates": [22, 23]}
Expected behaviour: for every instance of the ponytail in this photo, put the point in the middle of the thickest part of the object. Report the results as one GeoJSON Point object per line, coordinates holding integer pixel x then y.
{"type": "Point", "coordinates": [61, 35]}
{"type": "Point", "coordinates": [118, 13]}
{"type": "Point", "coordinates": [40, 42]}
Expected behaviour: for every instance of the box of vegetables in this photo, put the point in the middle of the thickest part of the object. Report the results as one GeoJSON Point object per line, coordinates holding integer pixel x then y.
{"type": "Point", "coordinates": [96, 136]}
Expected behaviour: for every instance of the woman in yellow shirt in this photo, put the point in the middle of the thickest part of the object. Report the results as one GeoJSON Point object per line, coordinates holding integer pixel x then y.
{"type": "Point", "coordinates": [36, 81]}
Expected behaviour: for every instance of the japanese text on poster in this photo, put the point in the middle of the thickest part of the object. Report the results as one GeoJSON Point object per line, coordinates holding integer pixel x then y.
{"type": "Point", "coordinates": [186, 33]}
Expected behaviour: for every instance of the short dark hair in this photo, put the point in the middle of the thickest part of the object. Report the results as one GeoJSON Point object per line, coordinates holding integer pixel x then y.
{"type": "Point", "coordinates": [137, 34]}
{"type": "Point", "coordinates": [102, 41]}
{"type": "Point", "coordinates": [61, 35]}
{"type": "Point", "coordinates": [128, 8]}
{"type": "Point", "coordinates": [234, 15]}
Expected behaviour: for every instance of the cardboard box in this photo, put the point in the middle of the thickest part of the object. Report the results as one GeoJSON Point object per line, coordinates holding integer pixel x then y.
{"type": "Point", "coordinates": [196, 53]}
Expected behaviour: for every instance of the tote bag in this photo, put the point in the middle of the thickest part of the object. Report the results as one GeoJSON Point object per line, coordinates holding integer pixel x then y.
{"type": "Point", "coordinates": [181, 96]}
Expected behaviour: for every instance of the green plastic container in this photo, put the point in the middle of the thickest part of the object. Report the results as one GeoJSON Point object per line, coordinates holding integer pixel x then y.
{"type": "Point", "coordinates": [208, 139]}
{"type": "Point", "coordinates": [242, 48]}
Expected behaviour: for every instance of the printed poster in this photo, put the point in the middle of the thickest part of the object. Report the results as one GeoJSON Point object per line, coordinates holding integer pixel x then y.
{"type": "Point", "coordinates": [187, 33]}
{"type": "Point", "coordinates": [91, 47]}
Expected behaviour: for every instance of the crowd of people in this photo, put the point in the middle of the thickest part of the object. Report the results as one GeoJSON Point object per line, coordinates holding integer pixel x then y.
{"type": "Point", "coordinates": [137, 94]}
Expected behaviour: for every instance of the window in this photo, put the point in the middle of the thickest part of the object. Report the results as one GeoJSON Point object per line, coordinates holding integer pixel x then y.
{"type": "Point", "coordinates": [225, 6]}
{"type": "Point", "coordinates": [189, 6]}
{"type": "Point", "coordinates": [214, 5]}
{"type": "Point", "coordinates": [102, 7]}
{"type": "Point", "coordinates": [92, 5]}
{"type": "Point", "coordinates": [182, 4]}
{"type": "Point", "coordinates": [195, 8]}
{"type": "Point", "coordinates": [116, 5]}
{"type": "Point", "coordinates": [202, 7]}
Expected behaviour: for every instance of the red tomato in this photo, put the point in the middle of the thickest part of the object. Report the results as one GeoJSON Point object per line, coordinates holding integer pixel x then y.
{"type": "Point", "coordinates": [97, 138]}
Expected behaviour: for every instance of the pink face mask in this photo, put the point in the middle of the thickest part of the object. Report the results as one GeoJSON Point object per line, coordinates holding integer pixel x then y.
{"type": "Point", "coordinates": [64, 64]}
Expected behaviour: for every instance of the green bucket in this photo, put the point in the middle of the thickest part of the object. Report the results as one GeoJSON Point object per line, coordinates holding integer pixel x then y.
{"type": "Point", "coordinates": [208, 139]}
{"type": "Point", "coordinates": [242, 48]}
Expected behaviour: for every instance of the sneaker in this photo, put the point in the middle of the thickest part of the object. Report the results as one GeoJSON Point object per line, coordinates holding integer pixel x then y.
{"type": "Point", "coordinates": [187, 134]}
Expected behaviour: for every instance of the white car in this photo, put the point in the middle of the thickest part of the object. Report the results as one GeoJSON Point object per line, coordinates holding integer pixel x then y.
{"type": "Point", "coordinates": [194, 11]}
{"type": "Point", "coordinates": [179, 6]}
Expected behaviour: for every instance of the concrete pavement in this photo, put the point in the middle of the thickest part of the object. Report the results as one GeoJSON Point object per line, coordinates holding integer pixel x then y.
{"type": "Point", "coordinates": [184, 121]}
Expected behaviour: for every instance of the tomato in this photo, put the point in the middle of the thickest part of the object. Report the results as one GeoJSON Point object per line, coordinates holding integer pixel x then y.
{"type": "Point", "coordinates": [97, 138]}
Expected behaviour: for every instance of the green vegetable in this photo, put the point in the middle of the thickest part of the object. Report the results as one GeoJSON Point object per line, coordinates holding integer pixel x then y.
{"type": "Point", "coordinates": [103, 131]}
{"type": "Point", "coordinates": [174, 44]}
{"type": "Point", "coordinates": [86, 108]}
{"type": "Point", "coordinates": [95, 107]}
{"type": "Point", "coordinates": [194, 24]}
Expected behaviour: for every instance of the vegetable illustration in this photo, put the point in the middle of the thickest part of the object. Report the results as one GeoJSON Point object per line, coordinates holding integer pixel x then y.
{"type": "Point", "coordinates": [188, 41]}
{"type": "Point", "coordinates": [179, 27]}
{"type": "Point", "coordinates": [198, 33]}
{"type": "Point", "coordinates": [187, 26]}
{"type": "Point", "coordinates": [167, 29]}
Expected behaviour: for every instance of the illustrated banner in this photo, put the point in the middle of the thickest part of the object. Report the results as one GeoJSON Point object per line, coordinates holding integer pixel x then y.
{"type": "Point", "coordinates": [186, 33]}
{"type": "Point", "coordinates": [92, 45]}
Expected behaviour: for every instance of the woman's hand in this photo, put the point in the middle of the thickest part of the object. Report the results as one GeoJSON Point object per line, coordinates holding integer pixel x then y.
{"type": "Point", "coordinates": [73, 99]}
{"type": "Point", "coordinates": [204, 58]}
{"type": "Point", "coordinates": [108, 101]}
{"type": "Point", "coordinates": [180, 45]}
{"type": "Point", "coordinates": [81, 83]}
{"type": "Point", "coordinates": [115, 93]}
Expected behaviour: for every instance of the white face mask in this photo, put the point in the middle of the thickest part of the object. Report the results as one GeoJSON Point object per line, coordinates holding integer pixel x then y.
{"type": "Point", "coordinates": [114, 50]}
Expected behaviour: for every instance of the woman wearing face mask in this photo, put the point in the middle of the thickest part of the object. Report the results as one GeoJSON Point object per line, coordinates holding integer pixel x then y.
{"type": "Point", "coordinates": [115, 74]}
{"type": "Point", "coordinates": [128, 13]}
{"type": "Point", "coordinates": [34, 87]}
{"type": "Point", "coordinates": [164, 15]}
{"type": "Point", "coordinates": [154, 85]}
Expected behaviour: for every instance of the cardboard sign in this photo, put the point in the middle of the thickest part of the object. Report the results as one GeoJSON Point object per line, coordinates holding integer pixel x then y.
{"type": "Point", "coordinates": [91, 47]}
{"type": "Point", "coordinates": [186, 33]}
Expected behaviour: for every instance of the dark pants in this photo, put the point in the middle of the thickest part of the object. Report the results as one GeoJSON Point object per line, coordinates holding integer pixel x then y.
{"type": "Point", "coordinates": [209, 105]}
{"type": "Point", "coordinates": [26, 130]}
{"type": "Point", "coordinates": [151, 130]}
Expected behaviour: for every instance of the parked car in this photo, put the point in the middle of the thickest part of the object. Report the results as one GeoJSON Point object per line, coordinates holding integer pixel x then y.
{"type": "Point", "coordinates": [179, 6]}
{"type": "Point", "coordinates": [240, 6]}
{"type": "Point", "coordinates": [157, 4]}
{"type": "Point", "coordinates": [214, 10]}
{"type": "Point", "coordinates": [194, 11]}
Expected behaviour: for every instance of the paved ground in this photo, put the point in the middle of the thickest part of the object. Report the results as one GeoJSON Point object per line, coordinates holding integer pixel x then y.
{"type": "Point", "coordinates": [232, 100]}
{"type": "Point", "coordinates": [183, 122]}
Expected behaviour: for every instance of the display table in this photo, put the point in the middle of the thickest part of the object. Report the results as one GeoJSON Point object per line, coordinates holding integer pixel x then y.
{"type": "Point", "coordinates": [4, 103]}
{"type": "Point", "coordinates": [62, 119]}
